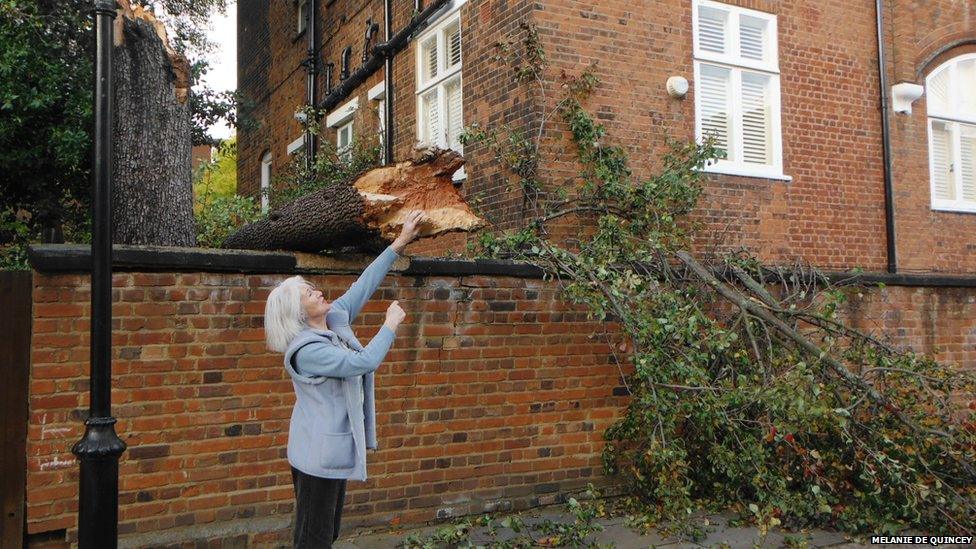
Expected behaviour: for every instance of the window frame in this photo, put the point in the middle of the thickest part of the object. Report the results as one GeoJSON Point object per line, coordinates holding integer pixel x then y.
{"type": "Point", "coordinates": [296, 146]}
{"type": "Point", "coordinates": [955, 120]}
{"type": "Point", "coordinates": [344, 152]}
{"type": "Point", "coordinates": [340, 119]}
{"type": "Point", "coordinates": [302, 22]}
{"type": "Point", "coordinates": [737, 65]}
{"type": "Point", "coordinates": [445, 76]}
{"type": "Point", "coordinates": [377, 94]}
{"type": "Point", "coordinates": [267, 161]}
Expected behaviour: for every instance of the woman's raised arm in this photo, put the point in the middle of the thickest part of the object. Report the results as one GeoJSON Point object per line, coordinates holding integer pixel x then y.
{"type": "Point", "coordinates": [359, 293]}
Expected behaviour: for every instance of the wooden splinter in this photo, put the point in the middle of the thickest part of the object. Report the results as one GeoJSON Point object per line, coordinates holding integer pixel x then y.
{"type": "Point", "coordinates": [368, 211]}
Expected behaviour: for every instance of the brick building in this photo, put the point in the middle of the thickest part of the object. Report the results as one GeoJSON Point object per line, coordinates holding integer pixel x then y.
{"type": "Point", "coordinates": [792, 89]}
{"type": "Point", "coordinates": [497, 395]}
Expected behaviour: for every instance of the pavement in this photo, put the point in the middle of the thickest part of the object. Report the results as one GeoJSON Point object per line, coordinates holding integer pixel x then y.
{"type": "Point", "coordinates": [720, 535]}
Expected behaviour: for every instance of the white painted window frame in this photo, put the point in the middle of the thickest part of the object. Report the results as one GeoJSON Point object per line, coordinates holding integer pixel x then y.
{"type": "Point", "coordinates": [955, 120]}
{"type": "Point", "coordinates": [345, 151]}
{"type": "Point", "coordinates": [342, 119]}
{"type": "Point", "coordinates": [266, 163]}
{"type": "Point", "coordinates": [449, 14]}
{"type": "Point", "coordinates": [736, 66]}
{"type": "Point", "coordinates": [378, 94]}
{"type": "Point", "coordinates": [296, 145]}
{"type": "Point", "coordinates": [302, 22]}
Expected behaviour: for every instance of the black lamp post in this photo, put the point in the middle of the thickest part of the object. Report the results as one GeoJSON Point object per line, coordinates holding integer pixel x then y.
{"type": "Point", "coordinates": [99, 449]}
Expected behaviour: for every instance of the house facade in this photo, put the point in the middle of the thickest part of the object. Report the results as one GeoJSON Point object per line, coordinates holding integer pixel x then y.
{"type": "Point", "coordinates": [790, 89]}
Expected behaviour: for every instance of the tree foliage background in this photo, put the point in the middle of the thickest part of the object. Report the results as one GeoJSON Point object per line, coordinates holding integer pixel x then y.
{"type": "Point", "coordinates": [46, 64]}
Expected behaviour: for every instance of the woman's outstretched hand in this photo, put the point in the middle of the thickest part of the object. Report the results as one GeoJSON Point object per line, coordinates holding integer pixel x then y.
{"type": "Point", "coordinates": [394, 316]}
{"type": "Point", "coordinates": [410, 230]}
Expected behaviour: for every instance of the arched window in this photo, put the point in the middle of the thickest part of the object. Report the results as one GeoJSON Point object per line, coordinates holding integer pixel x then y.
{"type": "Point", "coordinates": [952, 134]}
{"type": "Point", "coordinates": [265, 181]}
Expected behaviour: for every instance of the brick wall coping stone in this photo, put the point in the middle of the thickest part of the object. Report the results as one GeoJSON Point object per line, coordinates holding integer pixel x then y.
{"type": "Point", "coordinates": [76, 258]}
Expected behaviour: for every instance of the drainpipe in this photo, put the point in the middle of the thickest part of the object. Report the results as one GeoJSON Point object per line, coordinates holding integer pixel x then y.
{"type": "Point", "coordinates": [388, 86]}
{"type": "Point", "coordinates": [99, 449]}
{"type": "Point", "coordinates": [312, 70]}
{"type": "Point", "coordinates": [886, 139]}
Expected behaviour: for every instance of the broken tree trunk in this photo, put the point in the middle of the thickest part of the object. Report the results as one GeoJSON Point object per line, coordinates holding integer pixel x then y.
{"type": "Point", "coordinates": [152, 195]}
{"type": "Point", "coordinates": [368, 211]}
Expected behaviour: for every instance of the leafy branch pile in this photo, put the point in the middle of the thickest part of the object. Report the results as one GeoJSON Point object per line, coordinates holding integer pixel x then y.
{"type": "Point", "coordinates": [748, 390]}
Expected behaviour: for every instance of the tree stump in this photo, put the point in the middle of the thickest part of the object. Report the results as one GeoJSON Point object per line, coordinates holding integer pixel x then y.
{"type": "Point", "coordinates": [367, 211]}
{"type": "Point", "coordinates": [152, 195]}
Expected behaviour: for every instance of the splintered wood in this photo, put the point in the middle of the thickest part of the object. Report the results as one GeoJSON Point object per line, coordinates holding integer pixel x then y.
{"type": "Point", "coordinates": [369, 210]}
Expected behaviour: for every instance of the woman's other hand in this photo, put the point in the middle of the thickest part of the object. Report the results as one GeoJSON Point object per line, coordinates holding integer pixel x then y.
{"type": "Point", "coordinates": [394, 316]}
{"type": "Point", "coordinates": [410, 230]}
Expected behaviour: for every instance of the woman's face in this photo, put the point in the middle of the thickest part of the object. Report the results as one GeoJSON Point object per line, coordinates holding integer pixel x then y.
{"type": "Point", "coordinates": [314, 302]}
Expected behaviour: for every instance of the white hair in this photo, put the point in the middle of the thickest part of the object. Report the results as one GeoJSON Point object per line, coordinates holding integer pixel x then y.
{"type": "Point", "coordinates": [284, 315]}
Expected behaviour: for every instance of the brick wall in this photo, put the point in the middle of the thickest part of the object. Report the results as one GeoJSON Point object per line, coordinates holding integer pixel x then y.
{"type": "Point", "coordinates": [940, 322]}
{"type": "Point", "coordinates": [495, 394]}
{"type": "Point", "coordinates": [831, 213]}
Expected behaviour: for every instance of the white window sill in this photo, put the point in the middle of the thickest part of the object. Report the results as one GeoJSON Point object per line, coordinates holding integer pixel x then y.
{"type": "Point", "coordinates": [343, 114]}
{"type": "Point", "coordinates": [296, 145]}
{"type": "Point", "coordinates": [954, 207]}
{"type": "Point", "coordinates": [742, 171]}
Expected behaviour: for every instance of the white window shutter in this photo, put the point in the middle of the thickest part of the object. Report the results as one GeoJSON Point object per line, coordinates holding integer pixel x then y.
{"type": "Point", "coordinates": [967, 161]}
{"type": "Point", "coordinates": [938, 92]}
{"type": "Point", "coordinates": [965, 87]}
{"type": "Point", "coordinates": [453, 42]}
{"type": "Point", "coordinates": [431, 117]}
{"type": "Point", "coordinates": [943, 180]}
{"type": "Point", "coordinates": [713, 27]}
{"type": "Point", "coordinates": [756, 130]}
{"type": "Point", "coordinates": [714, 109]}
{"type": "Point", "coordinates": [430, 58]}
{"type": "Point", "coordinates": [752, 38]}
{"type": "Point", "coordinates": [455, 124]}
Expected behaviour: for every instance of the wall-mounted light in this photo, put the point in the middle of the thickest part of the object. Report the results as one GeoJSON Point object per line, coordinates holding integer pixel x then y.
{"type": "Point", "coordinates": [903, 95]}
{"type": "Point", "coordinates": [677, 87]}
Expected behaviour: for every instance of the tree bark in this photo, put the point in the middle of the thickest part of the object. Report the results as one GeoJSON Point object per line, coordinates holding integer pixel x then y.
{"type": "Point", "coordinates": [152, 196]}
{"type": "Point", "coordinates": [367, 212]}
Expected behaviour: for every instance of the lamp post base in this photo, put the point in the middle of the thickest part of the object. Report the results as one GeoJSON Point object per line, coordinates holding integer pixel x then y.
{"type": "Point", "coordinates": [98, 510]}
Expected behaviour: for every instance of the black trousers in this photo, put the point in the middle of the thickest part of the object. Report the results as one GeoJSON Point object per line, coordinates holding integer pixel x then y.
{"type": "Point", "coordinates": [318, 510]}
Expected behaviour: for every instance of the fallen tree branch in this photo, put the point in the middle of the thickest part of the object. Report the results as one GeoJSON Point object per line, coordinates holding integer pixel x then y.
{"type": "Point", "coordinates": [813, 350]}
{"type": "Point", "coordinates": [368, 210]}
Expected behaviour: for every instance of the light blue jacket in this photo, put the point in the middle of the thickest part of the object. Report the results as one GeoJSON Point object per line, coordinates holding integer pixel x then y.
{"type": "Point", "coordinates": [334, 419]}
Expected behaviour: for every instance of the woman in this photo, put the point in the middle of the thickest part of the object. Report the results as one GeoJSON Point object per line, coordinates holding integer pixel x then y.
{"type": "Point", "coordinates": [334, 419]}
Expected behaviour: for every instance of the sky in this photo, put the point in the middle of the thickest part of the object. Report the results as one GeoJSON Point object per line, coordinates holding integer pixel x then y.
{"type": "Point", "coordinates": [223, 62]}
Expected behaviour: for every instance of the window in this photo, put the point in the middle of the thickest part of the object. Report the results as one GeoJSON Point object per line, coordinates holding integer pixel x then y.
{"type": "Point", "coordinates": [265, 182]}
{"type": "Point", "coordinates": [378, 94]}
{"type": "Point", "coordinates": [297, 145]}
{"type": "Point", "coordinates": [344, 141]}
{"type": "Point", "coordinates": [341, 119]}
{"type": "Point", "coordinates": [737, 97]}
{"type": "Point", "coordinates": [439, 101]}
{"type": "Point", "coordinates": [952, 134]}
{"type": "Point", "coordinates": [302, 14]}
{"type": "Point", "coordinates": [381, 129]}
